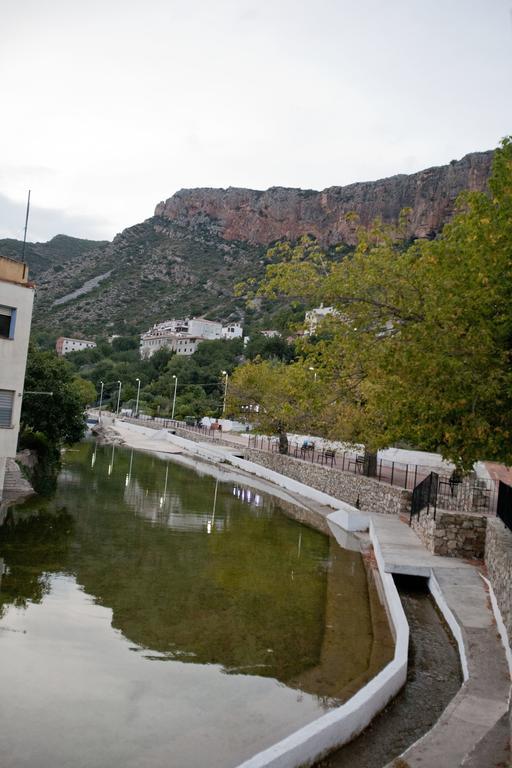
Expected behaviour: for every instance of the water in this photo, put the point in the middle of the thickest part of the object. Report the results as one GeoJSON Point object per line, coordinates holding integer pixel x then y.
{"type": "Point", "coordinates": [433, 679]}
{"type": "Point", "coordinates": [151, 615]}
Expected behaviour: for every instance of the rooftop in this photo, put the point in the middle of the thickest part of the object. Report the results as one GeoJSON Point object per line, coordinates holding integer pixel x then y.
{"type": "Point", "coordinates": [12, 271]}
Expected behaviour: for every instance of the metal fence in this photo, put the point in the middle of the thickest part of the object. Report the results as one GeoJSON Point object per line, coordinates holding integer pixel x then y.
{"type": "Point", "coordinates": [504, 506]}
{"type": "Point", "coordinates": [393, 472]}
{"type": "Point", "coordinates": [424, 495]}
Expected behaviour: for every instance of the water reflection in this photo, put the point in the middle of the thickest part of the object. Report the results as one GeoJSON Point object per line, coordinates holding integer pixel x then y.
{"type": "Point", "coordinates": [190, 569]}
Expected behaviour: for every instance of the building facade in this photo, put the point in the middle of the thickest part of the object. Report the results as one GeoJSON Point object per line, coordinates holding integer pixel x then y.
{"type": "Point", "coordinates": [65, 345]}
{"type": "Point", "coordinates": [16, 301]}
{"type": "Point", "coordinates": [184, 336]}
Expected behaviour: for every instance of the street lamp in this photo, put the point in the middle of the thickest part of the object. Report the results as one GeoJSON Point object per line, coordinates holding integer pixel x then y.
{"type": "Point", "coordinates": [225, 373]}
{"type": "Point", "coordinates": [137, 403]}
{"type": "Point", "coordinates": [314, 372]}
{"type": "Point", "coordinates": [174, 398]}
{"type": "Point", "coordinates": [118, 398]}
{"type": "Point", "coordinates": [101, 400]}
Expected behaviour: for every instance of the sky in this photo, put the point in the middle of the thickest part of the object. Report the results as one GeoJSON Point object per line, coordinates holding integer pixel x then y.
{"type": "Point", "coordinates": [109, 106]}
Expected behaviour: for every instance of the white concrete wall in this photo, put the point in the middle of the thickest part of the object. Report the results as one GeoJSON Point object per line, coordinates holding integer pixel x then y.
{"type": "Point", "coordinates": [13, 358]}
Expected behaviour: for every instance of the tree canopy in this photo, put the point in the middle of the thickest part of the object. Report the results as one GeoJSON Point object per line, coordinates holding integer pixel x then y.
{"type": "Point", "coordinates": [59, 416]}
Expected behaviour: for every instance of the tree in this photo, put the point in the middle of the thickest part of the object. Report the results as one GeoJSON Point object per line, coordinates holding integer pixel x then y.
{"type": "Point", "coordinates": [420, 347]}
{"type": "Point", "coordinates": [59, 416]}
{"type": "Point", "coordinates": [280, 397]}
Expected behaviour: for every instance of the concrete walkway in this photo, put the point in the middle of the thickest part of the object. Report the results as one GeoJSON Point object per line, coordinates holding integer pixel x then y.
{"type": "Point", "coordinates": [483, 699]}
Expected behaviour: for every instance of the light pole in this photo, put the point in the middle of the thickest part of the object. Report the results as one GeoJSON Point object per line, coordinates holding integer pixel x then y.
{"type": "Point", "coordinates": [174, 398]}
{"type": "Point", "coordinates": [225, 373]}
{"type": "Point", "coordinates": [118, 398]}
{"type": "Point", "coordinates": [137, 403]}
{"type": "Point", "coordinates": [101, 400]}
{"type": "Point", "coordinates": [314, 372]}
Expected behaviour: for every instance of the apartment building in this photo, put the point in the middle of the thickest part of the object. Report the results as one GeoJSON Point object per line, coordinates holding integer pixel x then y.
{"type": "Point", "coordinates": [183, 336]}
{"type": "Point", "coordinates": [64, 345]}
{"type": "Point", "coordinates": [16, 300]}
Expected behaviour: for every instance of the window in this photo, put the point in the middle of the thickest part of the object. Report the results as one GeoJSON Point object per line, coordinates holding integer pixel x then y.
{"type": "Point", "coordinates": [7, 322]}
{"type": "Point", "coordinates": [6, 403]}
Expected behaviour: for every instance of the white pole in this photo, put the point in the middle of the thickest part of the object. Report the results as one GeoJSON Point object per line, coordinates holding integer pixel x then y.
{"type": "Point", "coordinates": [118, 398]}
{"type": "Point", "coordinates": [137, 404]}
{"type": "Point", "coordinates": [174, 398]}
{"type": "Point", "coordinates": [101, 400]}
{"type": "Point", "coordinates": [225, 392]}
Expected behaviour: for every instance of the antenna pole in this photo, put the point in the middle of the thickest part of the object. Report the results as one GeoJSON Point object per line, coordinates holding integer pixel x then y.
{"type": "Point", "coordinates": [26, 225]}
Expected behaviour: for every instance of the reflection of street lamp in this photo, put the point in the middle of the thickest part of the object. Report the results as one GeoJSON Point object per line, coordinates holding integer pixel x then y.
{"type": "Point", "coordinates": [225, 373]}
{"type": "Point", "coordinates": [174, 398]}
{"type": "Point", "coordinates": [101, 400]}
{"type": "Point", "coordinates": [118, 398]}
{"type": "Point", "coordinates": [314, 372]}
{"type": "Point", "coordinates": [137, 404]}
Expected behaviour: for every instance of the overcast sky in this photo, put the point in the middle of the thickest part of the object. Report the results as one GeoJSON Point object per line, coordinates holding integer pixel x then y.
{"type": "Point", "coordinates": [109, 106]}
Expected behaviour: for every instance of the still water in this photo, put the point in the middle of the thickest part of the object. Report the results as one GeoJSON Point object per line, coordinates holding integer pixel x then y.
{"type": "Point", "coordinates": [154, 614]}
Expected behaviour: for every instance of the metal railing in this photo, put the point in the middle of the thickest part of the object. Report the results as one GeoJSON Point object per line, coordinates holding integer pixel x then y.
{"type": "Point", "coordinates": [424, 495]}
{"type": "Point", "coordinates": [394, 473]}
{"type": "Point", "coordinates": [504, 505]}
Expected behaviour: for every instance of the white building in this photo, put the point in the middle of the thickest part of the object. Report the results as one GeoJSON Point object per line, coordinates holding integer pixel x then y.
{"type": "Point", "coordinates": [65, 345]}
{"type": "Point", "coordinates": [232, 331]}
{"type": "Point", "coordinates": [315, 316]}
{"type": "Point", "coordinates": [16, 300]}
{"type": "Point", "coordinates": [184, 336]}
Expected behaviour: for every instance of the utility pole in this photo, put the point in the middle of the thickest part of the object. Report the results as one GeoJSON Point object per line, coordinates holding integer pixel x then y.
{"type": "Point", "coordinates": [101, 400]}
{"type": "Point", "coordinates": [26, 225]}
{"type": "Point", "coordinates": [118, 398]}
{"type": "Point", "coordinates": [226, 374]}
{"type": "Point", "coordinates": [137, 404]}
{"type": "Point", "coordinates": [174, 398]}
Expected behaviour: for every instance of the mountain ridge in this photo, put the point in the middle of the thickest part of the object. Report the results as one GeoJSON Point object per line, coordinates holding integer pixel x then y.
{"type": "Point", "coordinates": [185, 259]}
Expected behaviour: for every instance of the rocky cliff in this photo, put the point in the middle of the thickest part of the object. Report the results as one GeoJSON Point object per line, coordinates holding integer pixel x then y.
{"type": "Point", "coordinates": [263, 217]}
{"type": "Point", "coordinates": [186, 259]}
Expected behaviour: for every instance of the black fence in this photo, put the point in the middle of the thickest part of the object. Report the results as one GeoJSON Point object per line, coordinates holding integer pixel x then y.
{"type": "Point", "coordinates": [504, 507]}
{"type": "Point", "coordinates": [393, 472]}
{"type": "Point", "coordinates": [424, 495]}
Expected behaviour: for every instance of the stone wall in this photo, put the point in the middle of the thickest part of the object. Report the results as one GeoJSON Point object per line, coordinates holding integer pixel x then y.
{"type": "Point", "coordinates": [498, 559]}
{"type": "Point", "coordinates": [453, 534]}
{"type": "Point", "coordinates": [360, 491]}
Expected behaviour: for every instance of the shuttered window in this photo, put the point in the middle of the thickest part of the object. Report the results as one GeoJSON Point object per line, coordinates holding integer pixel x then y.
{"type": "Point", "coordinates": [6, 404]}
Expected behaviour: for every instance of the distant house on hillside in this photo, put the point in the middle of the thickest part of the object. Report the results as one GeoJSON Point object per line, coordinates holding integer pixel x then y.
{"type": "Point", "coordinates": [184, 336]}
{"type": "Point", "coordinates": [64, 345]}
{"type": "Point", "coordinates": [315, 316]}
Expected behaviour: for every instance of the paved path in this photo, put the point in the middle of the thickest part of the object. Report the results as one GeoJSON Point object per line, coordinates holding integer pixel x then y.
{"type": "Point", "coordinates": [482, 701]}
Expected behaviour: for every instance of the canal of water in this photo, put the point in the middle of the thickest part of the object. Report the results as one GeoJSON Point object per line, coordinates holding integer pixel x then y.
{"type": "Point", "coordinates": [152, 615]}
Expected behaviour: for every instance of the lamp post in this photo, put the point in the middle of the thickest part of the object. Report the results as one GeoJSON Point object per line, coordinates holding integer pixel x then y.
{"type": "Point", "coordinates": [137, 403]}
{"type": "Point", "coordinates": [225, 373]}
{"type": "Point", "coordinates": [101, 400]}
{"type": "Point", "coordinates": [174, 398]}
{"type": "Point", "coordinates": [118, 398]}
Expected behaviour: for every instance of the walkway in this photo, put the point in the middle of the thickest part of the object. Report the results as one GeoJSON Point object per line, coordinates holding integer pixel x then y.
{"type": "Point", "coordinates": [483, 699]}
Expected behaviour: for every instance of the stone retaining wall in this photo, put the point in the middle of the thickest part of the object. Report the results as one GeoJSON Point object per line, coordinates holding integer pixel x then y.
{"type": "Point", "coordinates": [363, 492]}
{"type": "Point", "coordinates": [452, 534]}
{"type": "Point", "coordinates": [498, 559]}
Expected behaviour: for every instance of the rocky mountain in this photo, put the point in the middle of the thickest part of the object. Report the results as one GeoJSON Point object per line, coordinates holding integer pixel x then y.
{"type": "Point", "coordinates": [263, 217]}
{"type": "Point", "coordinates": [186, 258]}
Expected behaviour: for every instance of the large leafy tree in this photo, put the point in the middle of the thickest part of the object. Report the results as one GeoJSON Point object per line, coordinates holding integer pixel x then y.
{"type": "Point", "coordinates": [420, 346]}
{"type": "Point", "coordinates": [279, 397]}
{"type": "Point", "coordinates": [59, 416]}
